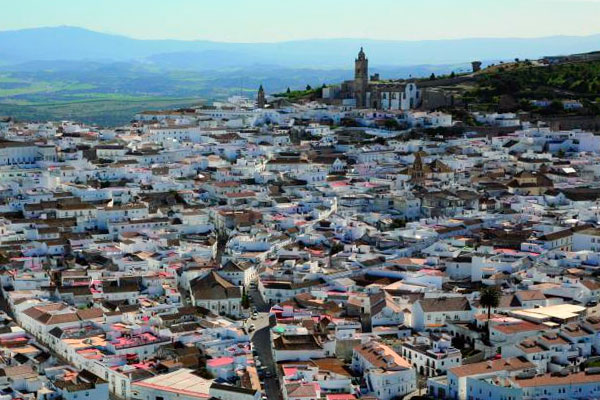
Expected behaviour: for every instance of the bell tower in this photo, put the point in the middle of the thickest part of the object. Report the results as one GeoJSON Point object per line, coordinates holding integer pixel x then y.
{"type": "Point", "coordinates": [361, 79]}
{"type": "Point", "coordinates": [260, 99]}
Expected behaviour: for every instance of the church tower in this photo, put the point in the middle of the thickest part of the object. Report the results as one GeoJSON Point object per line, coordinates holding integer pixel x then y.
{"type": "Point", "coordinates": [417, 171]}
{"type": "Point", "coordinates": [361, 79]}
{"type": "Point", "coordinates": [260, 99]}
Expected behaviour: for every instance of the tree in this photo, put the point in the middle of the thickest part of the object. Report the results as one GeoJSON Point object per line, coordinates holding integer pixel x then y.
{"type": "Point", "coordinates": [452, 74]}
{"type": "Point", "coordinates": [489, 298]}
{"type": "Point", "coordinates": [391, 124]}
{"type": "Point", "coordinates": [397, 223]}
{"type": "Point", "coordinates": [432, 77]}
{"type": "Point", "coordinates": [245, 301]}
{"type": "Point", "coordinates": [336, 248]}
{"type": "Point", "coordinates": [288, 91]}
{"type": "Point", "coordinates": [555, 107]}
{"type": "Point", "coordinates": [308, 87]}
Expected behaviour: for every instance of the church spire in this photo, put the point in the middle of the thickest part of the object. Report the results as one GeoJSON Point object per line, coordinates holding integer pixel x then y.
{"type": "Point", "coordinates": [417, 173]}
{"type": "Point", "coordinates": [361, 55]}
{"type": "Point", "coordinates": [261, 101]}
{"type": "Point", "coordinates": [418, 163]}
{"type": "Point", "coordinates": [361, 79]}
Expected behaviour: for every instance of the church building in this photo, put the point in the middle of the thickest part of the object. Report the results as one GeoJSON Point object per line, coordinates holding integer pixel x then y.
{"type": "Point", "coordinates": [382, 95]}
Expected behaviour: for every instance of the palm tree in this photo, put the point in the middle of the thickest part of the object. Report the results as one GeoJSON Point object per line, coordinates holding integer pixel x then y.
{"type": "Point", "coordinates": [489, 298]}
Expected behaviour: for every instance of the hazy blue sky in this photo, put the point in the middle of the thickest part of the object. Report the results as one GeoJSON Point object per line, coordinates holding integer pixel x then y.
{"type": "Point", "coordinates": [277, 20]}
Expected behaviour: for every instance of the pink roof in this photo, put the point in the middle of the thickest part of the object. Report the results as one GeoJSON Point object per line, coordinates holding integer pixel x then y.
{"type": "Point", "coordinates": [341, 396]}
{"type": "Point", "coordinates": [144, 365]}
{"type": "Point", "coordinates": [338, 292]}
{"type": "Point", "coordinates": [515, 252]}
{"type": "Point", "coordinates": [219, 362]}
{"type": "Point", "coordinates": [432, 272]}
{"type": "Point", "coordinates": [18, 339]}
{"type": "Point", "coordinates": [139, 340]}
{"type": "Point", "coordinates": [240, 194]}
{"type": "Point", "coordinates": [289, 371]}
{"type": "Point", "coordinates": [338, 184]}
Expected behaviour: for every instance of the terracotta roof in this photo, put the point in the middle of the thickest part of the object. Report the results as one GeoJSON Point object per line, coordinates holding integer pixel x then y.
{"type": "Point", "coordinates": [17, 371]}
{"type": "Point", "coordinates": [90, 313]}
{"type": "Point", "coordinates": [528, 295]}
{"type": "Point", "coordinates": [530, 346]}
{"type": "Point", "coordinates": [214, 287]}
{"type": "Point", "coordinates": [521, 326]}
{"type": "Point", "coordinates": [558, 380]}
{"type": "Point", "coordinates": [381, 356]}
{"type": "Point", "coordinates": [441, 304]}
{"type": "Point", "coordinates": [591, 285]}
{"type": "Point", "coordinates": [297, 342]}
{"type": "Point", "coordinates": [484, 367]}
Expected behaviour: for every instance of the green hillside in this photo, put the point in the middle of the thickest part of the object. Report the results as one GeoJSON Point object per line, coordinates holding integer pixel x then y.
{"type": "Point", "coordinates": [524, 81]}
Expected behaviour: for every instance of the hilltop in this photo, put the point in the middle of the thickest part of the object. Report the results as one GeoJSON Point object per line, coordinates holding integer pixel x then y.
{"type": "Point", "coordinates": [67, 72]}
{"type": "Point", "coordinates": [527, 82]}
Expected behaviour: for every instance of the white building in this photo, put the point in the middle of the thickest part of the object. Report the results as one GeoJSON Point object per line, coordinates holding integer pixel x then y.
{"type": "Point", "coordinates": [386, 374]}
{"type": "Point", "coordinates": [588, 239]}
{"type": "Point", "coordinates": [433, 313]}
{"type": "Point", "coordinates": [458, 382]}
{"type": "Point", "coordinates": [217, 295]}
{"type": "Point", "coordinates": [431, 357]}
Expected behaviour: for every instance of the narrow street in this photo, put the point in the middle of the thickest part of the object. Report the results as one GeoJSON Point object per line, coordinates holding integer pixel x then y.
{"type": "Point", "coordinates": [261, 341]}
{"type": "Point", "coordinates": [257, 301]}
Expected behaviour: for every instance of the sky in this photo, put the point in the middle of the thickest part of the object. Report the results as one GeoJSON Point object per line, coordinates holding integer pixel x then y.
{"type": "Point", "coordinates": [282, 20]}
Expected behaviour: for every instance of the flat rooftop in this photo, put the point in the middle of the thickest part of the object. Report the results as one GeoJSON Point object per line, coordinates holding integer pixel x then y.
{"type": "Point", "coordinates": [183, 382]}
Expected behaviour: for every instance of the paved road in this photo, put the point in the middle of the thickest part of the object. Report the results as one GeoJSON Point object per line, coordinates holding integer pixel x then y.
{"type": "Point", "coordinates": [257, 301]}
{"type": "Point", "coordinates": [261, 341]}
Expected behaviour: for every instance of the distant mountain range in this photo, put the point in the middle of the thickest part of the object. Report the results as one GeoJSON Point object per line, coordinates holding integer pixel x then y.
{"type": "Point", "coordinates": [67, 72]}
{"type": "Point", "coordinates": [77, 44]}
